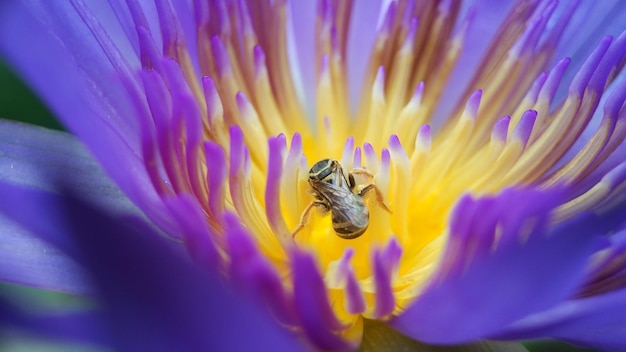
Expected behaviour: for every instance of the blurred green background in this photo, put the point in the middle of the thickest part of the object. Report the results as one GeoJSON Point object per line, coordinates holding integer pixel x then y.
{"type": "Point", "coordinates": [17, 102]}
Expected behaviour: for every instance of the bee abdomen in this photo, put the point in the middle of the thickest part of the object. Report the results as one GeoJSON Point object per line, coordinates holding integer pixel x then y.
{"type": "Point", "coordinates": [348, 231]}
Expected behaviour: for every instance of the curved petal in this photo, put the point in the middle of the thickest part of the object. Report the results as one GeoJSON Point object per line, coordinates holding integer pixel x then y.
{"type": "Point", "coordinates": [27, 260]}
{"type": "Point", "coordinates": [36, 157]}
{"type": "Point", "coordinates": [50, 44]}
{"type": "Point", "coordinates": [300, 36]}
{"type": "Point", "coordinates": [506, 257]}
{"type": "Point", "coordinates": [488, 17]}
{"type": "Point", "coordinates": [81, 327]}
{"type": "Point", "coordinates": [312, 305]}
{"type": "Point", "coordinates": [563, 34]}
{"type": "Point", "coordinates": [595, 317]}
{"type": "Point", "coordinates": [86, 80]}
{"type": "Point", "coordinates": [360, 41]}
{"type": "Point", "coordinates": [152, 297]}
{"type": "Point", "coordinates": [597, 321]}
{"type": "Point", "coordinates": [598, 19]}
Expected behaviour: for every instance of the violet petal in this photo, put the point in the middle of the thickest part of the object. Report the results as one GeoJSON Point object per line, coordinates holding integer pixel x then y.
{"type": "Point", "coordinates": [34, 157]}
{"type": "Point", "coordinates": [495, 288]}
{"type": "Point", "coordinates": [312, 305]}
{"type": "Point", "coordinates": [80, 327]}
{"type": "Point", "coordinates": [597, 321]}
{"type": "Point", "coordinates": [152, 297]}
{"type": "Point", "coordinates": [82, 86]}
{"type": "Point", "coordinates": [27, 260]}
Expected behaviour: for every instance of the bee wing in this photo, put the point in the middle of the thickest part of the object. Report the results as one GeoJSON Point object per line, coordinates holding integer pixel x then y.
{"type": "Point", "coordinates": [346, 206]}
{"type": "Point", "coordinates": [332, 192]}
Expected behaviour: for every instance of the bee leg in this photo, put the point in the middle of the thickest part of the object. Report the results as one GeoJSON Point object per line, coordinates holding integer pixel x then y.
{"type": "Point", "coordinates": [361, 171]}
{"type": "Point", "coordinates": [379, 195]}
{"type": "Point", "coordinates": [306, 215]}
{"type": "Point", "coordinates": [358, 171]}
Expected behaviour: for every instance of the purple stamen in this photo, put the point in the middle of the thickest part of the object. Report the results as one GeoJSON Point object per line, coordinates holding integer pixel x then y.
{"type": "Point", "coordinates": [473, 103]}
{"type": "Point", "coordinates": [533, 92]}
{"type": "Point", "coordinates": [220, 56]}
{"type": "Point", "coordinates": [387, 28]}
{"type": "Point", "coordinates": [424, 139]}
{"type": "Point", "coordinates": [371, 160]}
{"type": "Point", "coordinates": [348, 151]}
{"type": "Point", "coordinates": [612, 59]}
{"type": "Point", "coordinates": [212, 99]}
{"type": "Point", "coordinates": [525, 126]}
{"type": "Point", "coordinates": [311, 303]}
{"type": "Point", "coordinates": [259, 60]}
{"type": "Point", "coordinates": [356, 160]}
{"type": "Point", "coordinates": [140, 21]}
{"type": "Point", "coordinates": [554, 79]}
{"type": "Point", "coordinates": [171, 32]}
{"type": "Point", "coordinates": [217, 170]}
{"type": "Point", "coordinates": [500, 129]}
{"type": "Point", "coordinates": [277, 149]}
{"type": "Point", "coordinates": [385, 264]}
{"type": "Point", "coordinates": [580, 81]}
{"type": "Point", "coordinates": [252, 272]}
{"type": "Point", "coordinates": [354, 296]}
{"type": "Point", "coordinates": [198, 239]}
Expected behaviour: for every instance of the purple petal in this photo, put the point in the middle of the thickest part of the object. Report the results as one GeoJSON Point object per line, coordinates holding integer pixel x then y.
{"type": "Point", "coordinates": [198, 238]}
{"type": "Point", "coordinates": [386, 262]}
{"type": "Point", "coordinates": [95, 99]}
{"type": "Point", "coordinates": [316, 316]}
{"type": "Point", "coordinates": [301, 35]}
{"type": "Point", "coordinates": [598, 19]}
{"type": "Point", "coordinates": [152, 297]}
{"type": "Point", "coordinates": [361, 42]}
{"type": "Point", "coordinates": [30, 41]}
{"type": "Point", "coordinates": [597, 321]}
{"type": "Point", "coordinates": [35, 157]}
{"type": "Point", "coordinates": [27, 260]}
{"type": "Point", "coordinates": [80, 327]}
{"type": "Point", "coordinates": [489, 16]}
{"type": "Point", "coordinates": [495, 288]}
{"type": "Point", "coordinates": [253, 273]}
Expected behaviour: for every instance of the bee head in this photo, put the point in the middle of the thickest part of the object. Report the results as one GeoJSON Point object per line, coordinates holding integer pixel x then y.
{"type": "Point", "coordinates": [322, 170]}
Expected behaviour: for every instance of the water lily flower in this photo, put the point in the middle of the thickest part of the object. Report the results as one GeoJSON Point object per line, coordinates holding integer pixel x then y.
{"type": "Point", "coordinates": [453, 170]}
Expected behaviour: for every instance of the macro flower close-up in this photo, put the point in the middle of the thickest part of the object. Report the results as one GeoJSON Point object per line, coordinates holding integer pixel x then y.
{"type": "Point", "coordinates": [446, 172]}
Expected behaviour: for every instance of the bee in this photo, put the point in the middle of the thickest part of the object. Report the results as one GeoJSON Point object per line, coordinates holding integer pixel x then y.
{"type": "Point", "coordinates": [336, 193]}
